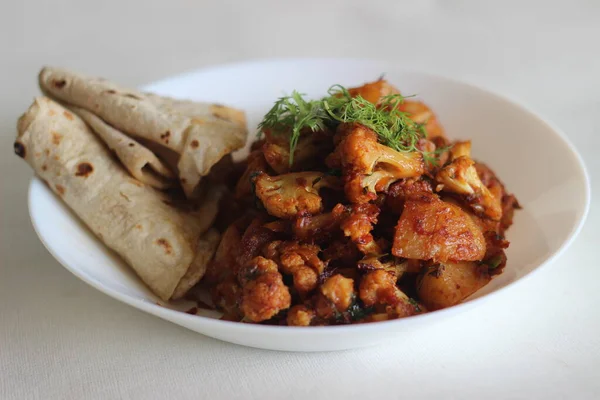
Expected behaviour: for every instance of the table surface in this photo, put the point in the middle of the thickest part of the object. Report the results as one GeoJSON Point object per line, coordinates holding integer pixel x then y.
{"type": "Point", "coordinates": [61, 339]}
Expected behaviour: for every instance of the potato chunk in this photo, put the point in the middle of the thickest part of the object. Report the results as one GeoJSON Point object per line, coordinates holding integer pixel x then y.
{"type": "Point", "coordinates": [448, 284]}
{"type": "Point", "coordinates": [431, 229]}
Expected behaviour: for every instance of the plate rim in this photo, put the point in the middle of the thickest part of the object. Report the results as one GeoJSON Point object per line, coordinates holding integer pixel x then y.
{"type": "Point", "coordinates": [171, 315]}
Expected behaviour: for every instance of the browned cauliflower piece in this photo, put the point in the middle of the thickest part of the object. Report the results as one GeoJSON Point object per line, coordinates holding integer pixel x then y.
{"type": "Point", "coordinates": [341, 252]}
{"type": "Point", "coordinates": [286, 195]}
{"type": "Point", "coordinates": [392, 265]}
{"type": "Point", "coordinates": [422, 114]}
{"type": "Point", "coordinates": [358, 226]}
{"type": "Point", "coordinates": [263, 292]}
{"type": "Point", "coordinates": [335, 297]}
{"type": "Point", "coordinates": [369, 166]}
{"type": "Point", "coordinates": [374, 91]}
{"type": "Point", "coordinates": [460, 177]}
{"type": "Point", "coordinates": [509, 201]}
{"type": "Point", "coordinates": [316, 227]}
{"type": "Point", "coordinates": [400, 190]}
{"type": "Point", "coordinates": [379, 288]}
{"type": "Point", "coordinates": [300, 315]}
{"type": "Point", "coordinates": [300, 260]}
{"type": "Point", "coordinates": [460, 149]}
{"type": "Point", "coordinates": [309, 151]}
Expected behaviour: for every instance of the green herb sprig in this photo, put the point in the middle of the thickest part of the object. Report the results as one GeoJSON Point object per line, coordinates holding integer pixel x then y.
{"type": "Point", "coordinates": [394, 127]}
{"type": "Point", "coordinates": [294, 115]}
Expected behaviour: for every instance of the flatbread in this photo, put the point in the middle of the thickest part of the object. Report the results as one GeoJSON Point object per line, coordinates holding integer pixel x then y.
{"type": "Point", "coordinates": [141, 163]}
{"type": "Point", "coordinates": [207, 245]}
{"type": "Point", "coordinates": [198, 111]}
{"type": "Point", "coordinates": [159, 240]}
{"type": "Point", "coordinates": [200, 133]}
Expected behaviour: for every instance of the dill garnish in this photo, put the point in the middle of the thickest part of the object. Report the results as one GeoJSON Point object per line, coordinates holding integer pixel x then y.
{"type": "Point", "coordinates": [394, 127]}
{"type": "Point", "coordinates": [295, 115]}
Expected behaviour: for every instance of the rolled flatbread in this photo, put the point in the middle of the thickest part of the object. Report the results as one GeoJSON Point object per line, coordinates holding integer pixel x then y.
{"type": "Point", "coordinates": [141, 163]}
{"type": "Point", "coordinates": [200, 133]}
{"type": "Point", "coordinates": [198, 111]}
{"type": "Point", "coordinates": [166, 245]}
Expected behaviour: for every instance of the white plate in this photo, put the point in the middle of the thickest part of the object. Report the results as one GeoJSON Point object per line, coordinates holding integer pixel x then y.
{"type": "Point", "coordinates": [532, 157]}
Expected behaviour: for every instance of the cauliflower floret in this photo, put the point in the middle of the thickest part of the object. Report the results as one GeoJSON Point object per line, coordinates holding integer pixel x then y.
{"type": "Point", "coordinates": [358, 226]}
{"type": "Point", "coordinates": [299, 260]}
{"type": "Point", "coordinates": [339, 291]}
{"type": "Point", "coordinates": [399, 191]}
{"type": "Point", "coordinates": [460, 149]}
{"type": "Point", "coordinates": [374, 91]}
{"type": "Point", "coordinates": [310, 149]}
{"type": "Point", "coordinates": [393, 266]}
{"type": "Point", "coordinates": [509, 201]}
{"type": "Point", "coordinates": [285, 196]}
{"type": "Point", "coordinates": [460, 177]}
{"type": "Point", "coordinates": [371, 167]}
{"type": "Point", "coordinates": [379, 288]}
{"type": "Point", "coordinates": [315, 227]}
{"type": "Point", "coordinates": [300, 316]}
{"type": "Point", "coordinates": [254, 268]}
{"type": "Point", "coordinates": [263, 292]}
{"type": "Point", "coordinates": [422, 114]}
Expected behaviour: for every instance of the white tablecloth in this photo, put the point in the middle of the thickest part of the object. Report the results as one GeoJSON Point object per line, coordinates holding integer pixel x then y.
{"type": "Point", "coordinates": [61, 339]}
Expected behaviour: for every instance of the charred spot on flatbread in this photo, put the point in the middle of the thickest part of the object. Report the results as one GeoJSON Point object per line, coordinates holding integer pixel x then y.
{"type": "Point", "coordinates": [131, 144]}
{"type": "Point", "coordinates": [68, 115]}
{"type": "Point", "coordinates": [165, 136]}
{"type": "Point", "coordinates": [44, 167]}
{"type": "Point", "coordinates": [19, 149]}
{"type": "Point", "coordinates": [59, 83]}
{"type": "Point", "coordinates": [132, 96]}
{"type": "Point", "coordinates": [165, 244]}
{"type": "Point", "coordinates": [56, 137]}
{"type": "Point", "coordinates": [84, 169]}
{"type": "Point", "coordinates": [110, 91]}
{"type": "Point", "coordinates": [60, 189]}
{"type": "Point", "coordinates": [194, 144]}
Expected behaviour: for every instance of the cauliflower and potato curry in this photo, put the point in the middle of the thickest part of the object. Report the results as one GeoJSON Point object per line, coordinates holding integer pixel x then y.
{"type": "Point", "coordinates": [356, 208]}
